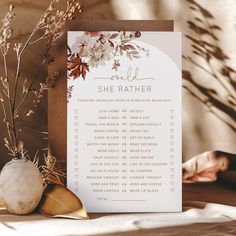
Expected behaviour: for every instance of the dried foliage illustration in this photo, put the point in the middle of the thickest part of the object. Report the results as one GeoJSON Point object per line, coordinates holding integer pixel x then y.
{"type": "Point", "coordinates": [208, 56]}
{"type": "Point", "coordinates": [94, 49]}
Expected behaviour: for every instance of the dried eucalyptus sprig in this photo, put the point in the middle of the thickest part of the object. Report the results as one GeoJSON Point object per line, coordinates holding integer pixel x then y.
{"type": "Point", "coordinates": [48, 29]}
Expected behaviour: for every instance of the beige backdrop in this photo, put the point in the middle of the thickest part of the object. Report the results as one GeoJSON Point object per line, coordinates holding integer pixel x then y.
{"type": "Point", "coordinates": [201, 129]}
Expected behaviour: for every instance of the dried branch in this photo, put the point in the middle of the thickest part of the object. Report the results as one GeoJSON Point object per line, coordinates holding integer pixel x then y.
{"type": "Point", "coordinates": [48, 29]}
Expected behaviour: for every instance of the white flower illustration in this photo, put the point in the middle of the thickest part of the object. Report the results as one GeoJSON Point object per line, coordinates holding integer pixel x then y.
{"type": "Point", "coordinates": [103, 36]}
{"type": "Point", "coordinates": [99, 53]}
{"type": "Point", "coordinates": [82, 45]}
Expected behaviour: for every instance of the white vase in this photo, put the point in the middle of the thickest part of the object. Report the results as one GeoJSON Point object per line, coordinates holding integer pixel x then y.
{"type": "Point", "coordinates": [21, 186]}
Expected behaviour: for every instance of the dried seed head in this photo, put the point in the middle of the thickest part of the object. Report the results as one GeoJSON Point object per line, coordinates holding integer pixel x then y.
{"type": "Point", "coordinates": [17, 47]}
{"type": "Point", "coordinates": [6, 30]}
{"type": "Point", "coordinates": [30, 113]}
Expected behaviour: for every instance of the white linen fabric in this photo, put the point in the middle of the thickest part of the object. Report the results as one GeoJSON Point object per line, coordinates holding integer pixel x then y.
{"type": "Point", "coordinates": [197, 218]}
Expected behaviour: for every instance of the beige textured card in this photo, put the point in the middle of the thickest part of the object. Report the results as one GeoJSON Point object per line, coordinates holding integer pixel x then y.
{"type": "Point", "coordinates": [124, 120]}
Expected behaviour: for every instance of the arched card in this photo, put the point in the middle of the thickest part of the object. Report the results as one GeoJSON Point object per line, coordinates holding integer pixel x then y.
{"type": "Point", "coordinates": [124, 120]}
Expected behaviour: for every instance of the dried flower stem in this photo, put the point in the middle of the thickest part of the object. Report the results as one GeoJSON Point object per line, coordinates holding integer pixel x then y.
{"type": "Point", "coordinates": [11, 129]}
{"type": "Point", "coordinates": [18, 67]}
{"type": "Point", "coordinates": [23, 99]}
{"type": "Point", "coordinates": [50, 27]}
{"type": "Point", "coordinates": [6, 122]}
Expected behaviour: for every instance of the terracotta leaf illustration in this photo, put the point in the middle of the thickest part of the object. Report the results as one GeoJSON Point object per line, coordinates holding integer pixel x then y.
{"type": "Point", "coordinates": [77, 67]}
{"type": "Point", "coordinates": [58, 201]}
{"type": "Point", "coordinates": [114, 35]}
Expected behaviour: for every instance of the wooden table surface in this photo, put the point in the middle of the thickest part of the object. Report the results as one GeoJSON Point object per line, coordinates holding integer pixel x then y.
{"type": "Point", "coordinates": [216, 192]}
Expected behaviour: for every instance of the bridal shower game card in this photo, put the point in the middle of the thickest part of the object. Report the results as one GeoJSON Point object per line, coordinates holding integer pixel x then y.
{"type": "Point", "coordinates": [124, 120]}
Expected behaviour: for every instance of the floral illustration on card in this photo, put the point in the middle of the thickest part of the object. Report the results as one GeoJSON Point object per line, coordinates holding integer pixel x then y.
{"type": "Point", "coordinates": [94, 49]}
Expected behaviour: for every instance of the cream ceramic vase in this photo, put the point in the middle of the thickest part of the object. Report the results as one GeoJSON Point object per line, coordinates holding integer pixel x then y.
{"type": "Point", "coordinates": [21, 186]}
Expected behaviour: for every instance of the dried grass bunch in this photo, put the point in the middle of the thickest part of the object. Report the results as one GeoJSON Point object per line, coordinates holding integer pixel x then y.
{"type": "Point", "coordinates": [48, 29]}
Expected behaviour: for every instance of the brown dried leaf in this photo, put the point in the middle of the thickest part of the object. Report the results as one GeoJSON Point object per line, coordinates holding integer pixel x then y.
{"type": "Point", "coordinates": [117, 48]}
{"type": "Point", "coordinates": [111, 43]}
{"type": "Point", "coordinates": [129, 46]}
{"type": "Point", "coordinates": [58, 201]}
{"type": "Point", "coordinates": [77, 67]}
{"type": "Point", "coordinates": [134, 52]}
{"type": "Point", "coordinates": [129, 55]}
{"type": "Point", "coordinates": [126, 40]}
{"type": "Point", "coordinates": [113, 36]}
